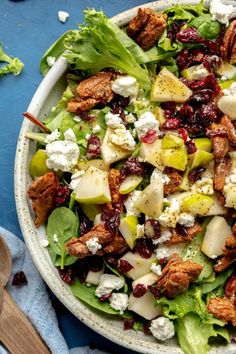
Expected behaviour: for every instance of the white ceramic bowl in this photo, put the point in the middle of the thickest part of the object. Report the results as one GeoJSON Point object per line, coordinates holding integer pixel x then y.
{"type": "Point", "coordinates": [45, 97]}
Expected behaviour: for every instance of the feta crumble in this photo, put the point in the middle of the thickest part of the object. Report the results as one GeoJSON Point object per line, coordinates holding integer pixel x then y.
{"type": "Point", "coordinates": [156, 268]}
{"type": "Point", "coordinates": [147, 121]}
{"type": "Point", "coordinates": [77, 119]}
{"type": "Point", "coordinates": [75, 179]}
{"type": "Point", "coordinates": [123, 138]}
{"type": "Point", "coordinates": [130, 118]}
{"type": "Point", "coordinates": [55, 135]}
{"type": "Point", "coordinates": [63, 16]}
{"type": "Point", "coordinates": [205, 186]}
{"type": "Point", "coordinates": [162, 328]}
{"type": "Point", "coordinates": [165, 236]}
{"type": "Point", "coordinates": [186, 219]}
{"type": "Point", "coordinates": [220, 11]}
{"type": "Point", "coordinates": [168, 217]}
{"type": "Point", "coordinates": [230, 190]}
{"type": "Point", "coordinates": [50, 61]}
{"type": "Point", "coordinates": [69, 135]}
{"type": "Point", "coordinates": [87, 136]}
{"type": "Point", "coordinates": [62, 155]}
{"type": "Point", "coordinates": [96, 129]}
{"type": "Point", "coordinates": [162, 252]}
{"type": "Point", "coordinates": [108, 283]}
{"type": "Point", "coordinates": [113, 121]}
{"type": "Point", "coordinates": [119, 302]}
{"type": "Point", "coordinates": [157, 175]}
{"type": "Point", "coordinates": [93, 245]}
{"type": "Point", "coordinates": [129, 203]}
{"type": "Point", "coordinates": [126, 86]}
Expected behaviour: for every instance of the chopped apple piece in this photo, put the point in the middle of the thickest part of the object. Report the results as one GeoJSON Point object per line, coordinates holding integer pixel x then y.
{"type": "Point", "coordinates": [127, 229]}
{"type": "Point", "coordinates": [227, 70]}
{"type": "Point", "coordinates": [100, 164]}
{"type": "Point", "coordinates": [146, 280]}
{"type": "Point", "coordinates": [185, 185]}
{"type": "Point", "coordinates": [167, 87]}
{"type": "Point", "coordinates": [129, 184]}
{"type": "Point", "coordinates": [176, 158]}
{"type": "Point", "coordinates": [90, 210]}
{"type": "Point", "coordinates": [145, 306]}
{"type": "Point", "coordinates": [227, 104]}
{"type": "Point", "coordinates": [111, 152]}
{"type": "Point", "coordinates": [215, 237]}
{"type": "Point", "coordinates": [93, 278]}
{"type": "Point", "coordinates": [195, 72]}
{"type": "Point", "coordinates": [203, 144]}
{"type": "Point", "coordinates": [141, 266]}
{"type": "Point", "coordinates": [159, 113]}
{"type": "Point", "coordinates": [150, 201]}
{"type": "Point", "coordinates": [93, 187]}
{"type": "Point", "coordinates": [171, 141]}
{"type": "Point", "coordinates": [216, 208]}
{"type": "Point", "coordinates": [200, 158]}
{"type": "Point", "coordinates": [197, 204]}
{"type": "Point", "coordinates": [152, 153]}
{"type": "Point", "coordinates": [38, 166]}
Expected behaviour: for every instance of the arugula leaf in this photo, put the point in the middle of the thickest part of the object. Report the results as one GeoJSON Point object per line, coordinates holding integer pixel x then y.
{"type": "Point", "coordinates": [63, 223]}
{"type": "Point", "coordinates": [97, 46]}
{"type": "Point", "coordinates": [206, 27]}
{"type": "Point", "coordinates": [14, 65]}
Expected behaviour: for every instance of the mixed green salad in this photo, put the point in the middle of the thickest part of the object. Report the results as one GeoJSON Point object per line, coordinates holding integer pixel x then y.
{"type": "Point", "coordinates": [134, 175]}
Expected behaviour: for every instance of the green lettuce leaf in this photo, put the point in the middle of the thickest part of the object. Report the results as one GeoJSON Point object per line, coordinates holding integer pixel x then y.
{"type": "Point", "coordinates": [97, 46]}
{"type": "Point", "coordinates": [14, 65]}
{"type": "Point", "coordinates": [185, 13]}
{"type": "Point", "coordinates": [219, 281]}
{"type": "Point", "coordinates": [206, 27]}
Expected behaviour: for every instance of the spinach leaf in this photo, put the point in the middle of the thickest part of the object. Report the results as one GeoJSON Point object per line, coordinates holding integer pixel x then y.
{"type": "Point", "coordinates": [64, 224]}
{"type": "Point", "coordinates": [206, 27]}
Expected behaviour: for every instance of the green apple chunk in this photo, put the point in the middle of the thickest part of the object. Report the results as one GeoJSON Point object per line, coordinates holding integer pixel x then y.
{"type": "Point", "coordinates": [127, 229]}
{"type": "Point", "coordinates": [129, 184]}
{"type": "Point", "coordinates": [159, 113]}
{"type": "Point", "coordinates": [215, 237]}
{"type": "Point", "coordinates": [152, 153]}
{"type": "Point", "coordinates": [141, 266]}
{"type": "Point", "coordinates": [167, 87]}
{"type": "Point", "coordinates": [146, 280]}
{"type": "Point", "coordinates": [176, 158]}
{"type": "Point", "coordinates": [38, 165]}
{"type": "Point", "coordinates": [185, 184]}
{"type": "Point", "coordinates": [227, 70]}
{"type": "Point", "coordinates": [195, 72]}
{"type": "Point", "coordinates": [150, 201]}
{"type": "Point", "coordinates": [197, 204]}
{"type": "Point", "coordinates": [227, 104]}
{"type": "Point", "coordinates": [93, 187]}
{"type": "Point", "coordinates": [98, 163]}
{"type": "Point", "coordinates": [110, 152]}
{"type": "Point", "coordinates": [204, 144]}
{"type": "Point", "coordinates": [145, 306]}
{"type": "Point", "coordinates": [91, 210]}
{"type": "Point", "coordinates": [216, 208]}
{"type": "Point", "coordinates": [171, 141]}
{"type": "Point", "coordinates": [93, 278]}
{"type": "Point", "coordinates": [200, 158]}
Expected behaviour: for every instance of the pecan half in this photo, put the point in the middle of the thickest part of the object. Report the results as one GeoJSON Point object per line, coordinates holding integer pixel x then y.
{"type": "Point", "coordinates": [223, 309]}
{"type": "Point", "coordinates": [183, 234]}
{"type": "Point", "coordinates": [114, 180]}
{"type": "Point", "coordinates": [228, 47]}
{"type": "Point", "coordinates": [177, 275]}
{"type": "Point", "coordinates": [229, 255]}
{"type": "Point", "coordinates": [173, 185]}
{"type": "Point", "coordinates": [230, 287]}
{"type": "Point", "coordinates": [42, 193]}
{"type": "Point", "coordinates": [117, 245]}
{"type": "Point", "coordinates": [147, 27]}
{"type": "Point", "coordinates": [221, 170]}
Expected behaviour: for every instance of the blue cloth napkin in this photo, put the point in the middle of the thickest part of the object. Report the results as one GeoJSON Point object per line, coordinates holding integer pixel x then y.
{"type": "Point", "coordinates": [34, 301]}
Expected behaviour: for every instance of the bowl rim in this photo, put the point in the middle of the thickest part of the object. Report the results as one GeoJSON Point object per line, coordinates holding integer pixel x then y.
{"type": "Point", "coordinates": [93, 320]}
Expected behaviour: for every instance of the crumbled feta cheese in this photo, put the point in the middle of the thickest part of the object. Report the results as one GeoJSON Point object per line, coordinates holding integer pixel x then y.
{"type": "Point", "coordinates": [230, 190]}
{"type": "Point", "coordinates": [157, 175]}
{"type": "Point", "coordinates": [63, 16]}
{"type": "Point", "coordinates": [55, 135]}
{"type": "Point", "coordinates": [113, 121]}
{"type": "Point", "coordinates": [87, 136]}
{"type": "Point", "coordinates": [96, 129]}
{"type": "Point", "coordinates": [130, 118]}
{"type": "Point", "coordinates": [62, 155]}
{"type": "Point", "coordinates": [55, 238]}
{"type": "Point", "coordinates": [165, 236]}
{"type": "Point", "coordinates": [126, 86]}
{"type": "Point", "coordinates": [162, 252]}
{"type": "Point", "coordinates": [69, 135]}
{"type": "Point", "coordinates": [119, 302]}
{"type": "Point", "coordinates": [93, 245]}
{"type": "Point", "coordinates": [162, 328]}
{"type": "Point", "coordinates": [77, 119]}
{"type": "Point", "coordinates": [168, 217]}
{"type": "Point", "coordinates": [156, 268]}
{"type": "Point", "coordinates": [129, 203]}
{"type": "Point", "coordinates": [186, 219]}
{"type": "Point", "coordinates": [44, 243]}
{"type": "Point", "coordinates": [221, 12]}
{"type": "Point", "coordinates": [232, 178]}
{"type": "Point", "coordinates": [50, 61]}
{"type": "Point", "coordinates": [108, 283]}
{"type": "Point", "coordinates": [139, 231]}
{"type": "Point", "coordinates": [205, 185]}
{"type": "Point", "coordinates": [147, 121]}
{"type": "Point", "coordinates": [123, 138]}
{"type": "Point", "coordinates": [75, 179]}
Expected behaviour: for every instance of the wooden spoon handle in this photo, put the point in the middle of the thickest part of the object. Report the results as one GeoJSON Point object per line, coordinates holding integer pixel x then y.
{"type": "Point", "coordinates": [16, 331]}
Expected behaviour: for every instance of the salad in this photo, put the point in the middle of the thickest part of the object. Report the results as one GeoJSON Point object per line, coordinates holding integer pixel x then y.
{"type": "Point", "coordinates": [134, 176]}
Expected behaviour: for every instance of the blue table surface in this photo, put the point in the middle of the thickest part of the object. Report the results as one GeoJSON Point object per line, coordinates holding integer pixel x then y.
{"type": "Point", "coordinates": [27, 29]}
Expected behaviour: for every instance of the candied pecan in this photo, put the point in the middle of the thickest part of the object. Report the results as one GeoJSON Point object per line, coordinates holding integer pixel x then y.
{"type": "Point", "coordinates": [229, 42]}
{"type": "Point", "coordinates": [230, 287]}
{"type": "Point", "coordinates": [42, 192]}
{"type": "Point", "coordinates": [116, 245]}
{"type": "Point", "coordinates": [223, 309]}
{"type": "Point", "coordinates": [229, 254]}
{"type": "Point", "coordinates": [221, 170]}
{"type": "Point", "coordinates": [173, 184]}
{"type": "Point", "coordinates": [91, 91]}
{"type": "Point", "coordinates": [114, 180]}
{"type": "Point", "coordinates": [177, 275]}
{"type": "Point", "coordinates": [230, 129]}
{"type": "Point", "coordinates": [180, 237]}
{"type": "Point", "coordinates": [220, 144]}
{"type": "Point", "coordinates": [147, 27]}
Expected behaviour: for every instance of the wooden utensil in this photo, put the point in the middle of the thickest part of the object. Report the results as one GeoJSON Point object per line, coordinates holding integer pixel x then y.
{"type": "Point", "coordinates": [16, 331]}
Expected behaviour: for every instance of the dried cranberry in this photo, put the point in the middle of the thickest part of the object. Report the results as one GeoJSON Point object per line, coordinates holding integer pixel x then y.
{"type": "Point", "coordinates": [93, 147]}
{"type": "Point", "coordinates": [105, 297]}
{"type": "Point", "coordinates": [201, 96]}
{"type": "Point", "coordinates": [190, 146]}
{"type": "Point", "coordinates": [189, 35]}
{"type": "Point", "coordinates": [19, 279]}
{"type": "Point", "coordinates": [67, 275]}
{"type": "Point", "coordinates": [118, 104]}
{"type": "Point", "coordinates": [172, 124]}
{"type": "Point", "coordinates": [139, 290]}
{"type": "Point", "coordinates": [233, 340]}
{"type": "Point", "coordinates": [212, 47]}
{"type": "Point", "coordinates": [85, 116]}
{"type": "Point", "coordinates": [184, 59]}
{"type": "Point", "coordinates": [197, 55]}
{"type": "Point", "coordinates": [220, 132]}
{"type": "Point", "coordinates": [146, 327]}
{"type": "Point", "coordinates": [111, 217]}
{"type": "Point", "coordinates": [183, 133]}
{"type": "Point", "coordinates": [207, 114]}
{"type": "Point", "coordinates": [196, 174]}
{"type": "Point", "coordinates": [124, 266]}
{"type": "Point", "coordinates": [112, 260]}
{"type": "Point", "coordinates": [169, 108]}
{"type": "Point", "coordinates": [95, 263]}
{"type": "Point", "coordinates": [208, 82]}
{"type": "Point", "coordinates": [128, 324]}
{"type": "Point", "coordinates": [149, 137]}
{"type": "Point", "coordinates": [211, 62]}
{"type": "Point", "coordinates": [85, 224]}
{"type": "Point", "coordinates": [186, 113]}
{"type": "Point", "coordinates": [171, 33]}
{"type": "Point", "coordinates": [132, 167]}
{"type": "Point", "coordinates": [144, 247]}
{"type": "Point", "coordinates": [181, 230]}
{"type": "Point", "coordinates": [163, 261]}
{"type": "Point", "coordinates": [152, 229]}
{"type": "Point", "coordinates": [62, 194]}
{"type": "Point", "coordinates": [153, 289]}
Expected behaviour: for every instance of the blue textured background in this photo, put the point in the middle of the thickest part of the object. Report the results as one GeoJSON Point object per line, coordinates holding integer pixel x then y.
{"type": "Point", "coordinates": [27, 29]}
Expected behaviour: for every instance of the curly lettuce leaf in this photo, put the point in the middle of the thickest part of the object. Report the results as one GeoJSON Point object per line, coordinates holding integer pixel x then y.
{"type": "Point", "coordinates": [14, 65]}
{"type": "Point", "coordinates": [206, 27]}
{"type": "Point", "coordinates": [219, 281]}
{"type": "Point", "coordinates": [97, 46]}
{"type": "Point", "coordinates": [185, 13]}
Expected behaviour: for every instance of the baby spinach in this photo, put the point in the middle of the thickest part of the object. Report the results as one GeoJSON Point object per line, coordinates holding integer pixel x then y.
{"type": "Point", "coordinates": [206, 27]}
{"type": "Point", "coordinates": [64, 224]}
